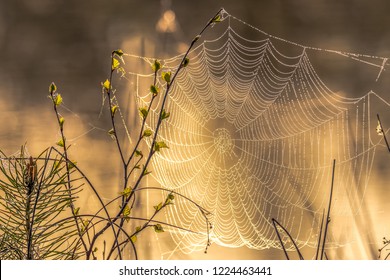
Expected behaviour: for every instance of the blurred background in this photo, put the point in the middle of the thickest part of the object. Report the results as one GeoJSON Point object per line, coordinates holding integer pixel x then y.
{"type": "Point", "coordinates": [69, 42]}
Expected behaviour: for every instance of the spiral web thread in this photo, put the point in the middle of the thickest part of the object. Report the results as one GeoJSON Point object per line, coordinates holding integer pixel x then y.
{"type": "Point", "coordinates": [252, 135]}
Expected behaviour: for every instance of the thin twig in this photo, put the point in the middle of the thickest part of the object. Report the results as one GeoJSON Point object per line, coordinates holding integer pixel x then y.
{"type": "Point", "coordinates": [52, 91]}
{"type": "Point", "coordinates": [274, 221]}
{"type": "Point", "coordinates": [383, 132]}
{"type": "Point", "coordinates": [320, 235]}
{"type": "Point", "coordinates": [327, 221]}
{"type": "Point", "coordinates": [151, 151]}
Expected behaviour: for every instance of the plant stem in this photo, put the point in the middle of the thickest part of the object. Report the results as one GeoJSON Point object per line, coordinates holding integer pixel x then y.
{"type": "Point", "coordinates": [383, 132]}
{"type": "Point", "coordinates": [327, 221]}
{"type": "Point", "coordinates": [274, 221]}
{"type": "Point", "coordinates": [69, 187]}
{"type": "Point", "coordinates": [320, 235]}
{"type": "Point", "coordinates": [151, 151]}
{"type": "Point", "coordinates": [30, 187]}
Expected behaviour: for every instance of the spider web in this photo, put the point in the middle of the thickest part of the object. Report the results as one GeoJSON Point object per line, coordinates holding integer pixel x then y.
{"type": "Point", "coordinates": [252, 135]}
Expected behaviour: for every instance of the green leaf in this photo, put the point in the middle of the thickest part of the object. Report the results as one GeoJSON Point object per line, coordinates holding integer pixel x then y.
{"type": "Point", "coordinates": [57, 99]}
{"type": "Point", "coordinates": [56, 164]}
{"type": "Point", "coordinates": [138, 229]}
{"type": "Point", "coordinates": [84, 225]}
{"type": "Point", "coordinates": [197, 37]}
{"type": "Point", "coordinates": [156, 66]}
{"type": "Point", "coordinates": [114, 109]}
{"type": "Point", "coordinates": [146, 172]}
{"type": "Point", "coordinates": [154, 89]}
{"type": "Point", "coordinates": [126, 192]}
{"type": "Point", "coordinates": [111, 132]}
{"type": "Point", "coordinates": [171, 196]}
{"type": "Point", "coordinates": [160, 145]}
{"type": "Point", "coordinates": [126, 212]}
{"type": "Point", "coordinates": [165, 115]}
{"type": "Point", "coordinates": [72, 164]}
{"type": "Point", "coordinates": [52, 88]}
{"type": "Point", "coordinates": [144, 112]}
{"type": "Point", "coordinates": [158, 228]}
{"type": "Point", "coordinates": [147, 133]}
{"type": "Point", "coordinates": [118, 52]}
{"type": "Point", "coordinates": [76, 211]}
{"type": "Point", "coordinates": [138, 153]}
{"type": "Point", "coordinates": [61, 122]}
{"type": "Point", "coordinates": [217, 18]}
{"type": "Point", "coordinates": [95, 249]}
{"type": "Point", "coordinates": [186, 62]}
{"type": "Point", "coordinates": [60, 143]}
{"type": "Point", "coordinates": [158, 206]}
{"type": "Point", "coordinates": [166, 76]}
{"type": "Point", "coordinates": [106, 85]}
{"type": "Point", "coordinates": [115, 64]}
{"type": "Point", "coordinates": [137, 167]}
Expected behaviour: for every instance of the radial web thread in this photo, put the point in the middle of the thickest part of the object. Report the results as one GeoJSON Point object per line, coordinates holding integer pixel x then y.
{"type": "Point", "coordinates": [252, 135]}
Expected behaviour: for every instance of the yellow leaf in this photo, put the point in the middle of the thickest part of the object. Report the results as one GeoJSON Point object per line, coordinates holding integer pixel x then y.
{"type": "Point", "coordinates": [186, 62]}
{"type": "Point", "coordinates": [379, 129]}
{"type": "Point", "coordinates": [126, 192]}
{"type": "Point", "coordinates": [72, 164]}
{"type": "Point", "coordinates": [158, 207]}
{"type": "Point", "coordinates": [160, 145]}
{"type": "Point", "coordinates": [115, 64]}
{"type": "Point", "coordinates": [56, 164]}
{"type": "Point", "coordinates": [52, 87]}
{"type": "Point", "coordinates": [60, 143]}
{"type": "Point", "coordinates": [106, 85]}
{"type": "Point", "coordinates": [147, 133]}
{"type": "Point", "coordinates": [133, 238]}
{"type": "Point", "coordinates": [156, 66]}
{"type": "Point", "coordinates": [114, 109]}
{"type": "Point", "coordinates": [57, 99]}
{"type": "Point", "coordinates": [154, 90]}
{"type": "Point", "coordinates": [144, 112]}
{"type": "Point", "coordinates": [126, 211]}
{"type": "Point", "coordinates": [217, 18]}
{"type": "Point", "coordinates": [158, 228]}
{"type": "Point", "coordinates": [76, 211]}
{"type": "Point", "coordinates": [118, 52]}
{"type": "Point", "coordinates": [166, 76]}
{"type": "Point", "coordinates": [61, 121]}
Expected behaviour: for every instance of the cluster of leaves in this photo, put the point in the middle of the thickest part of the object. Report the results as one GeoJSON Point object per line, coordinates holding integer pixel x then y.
{"type": "Point", "coordinates": [38, 216]}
